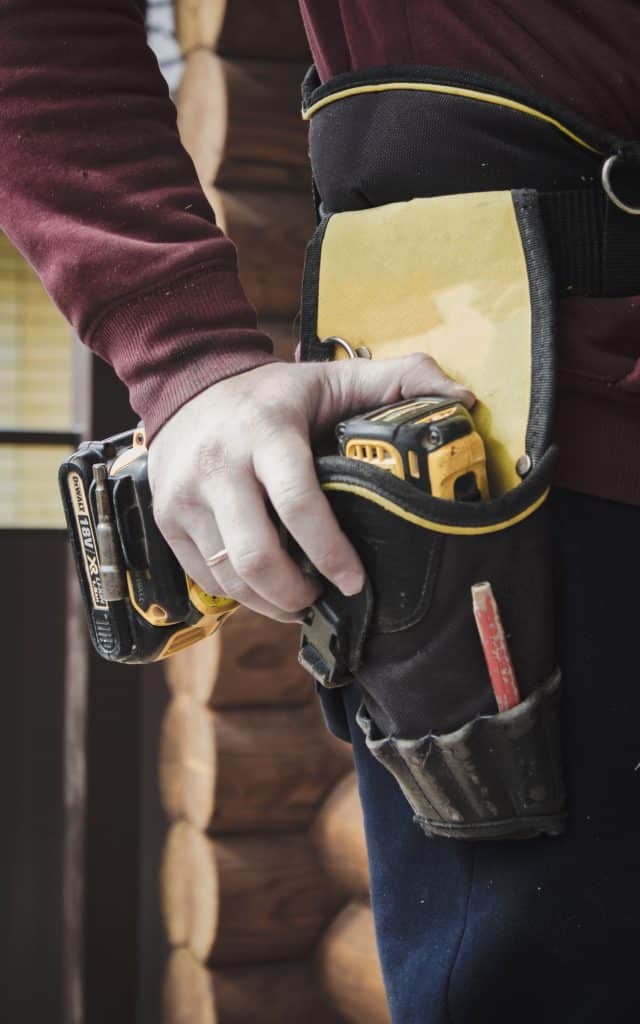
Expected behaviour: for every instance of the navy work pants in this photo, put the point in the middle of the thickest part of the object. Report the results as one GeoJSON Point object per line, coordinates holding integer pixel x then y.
{"type": "Point", "coordinates": [543, 931]}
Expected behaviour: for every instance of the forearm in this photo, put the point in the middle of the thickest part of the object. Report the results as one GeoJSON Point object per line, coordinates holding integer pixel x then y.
{"type": "Point", "coordinates": [99, 195]}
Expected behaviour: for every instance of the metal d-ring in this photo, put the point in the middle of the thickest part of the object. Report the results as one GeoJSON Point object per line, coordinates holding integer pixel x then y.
{"type": "Point", "coordinates": [362, 352]}
{"type": "Point", "coordinates": [607, 167]}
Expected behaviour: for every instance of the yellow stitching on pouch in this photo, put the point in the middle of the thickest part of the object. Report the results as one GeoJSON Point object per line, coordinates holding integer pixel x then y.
{"type": "Point", "coordinates": [451, 90]}
{"type": "Point", "coordinates": [429, 524]}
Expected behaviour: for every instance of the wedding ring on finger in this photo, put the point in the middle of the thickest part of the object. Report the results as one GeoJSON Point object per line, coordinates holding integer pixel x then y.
{"type": "Point", "coordinates": [217, 558]}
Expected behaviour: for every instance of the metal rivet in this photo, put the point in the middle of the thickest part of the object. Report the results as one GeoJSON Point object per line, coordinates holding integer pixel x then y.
{"type": "Point", "coordinates": [523, 465]}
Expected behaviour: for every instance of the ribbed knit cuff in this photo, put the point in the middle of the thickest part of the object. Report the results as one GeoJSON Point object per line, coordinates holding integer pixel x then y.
{"type": "Point", "coordinates": [171, 342]}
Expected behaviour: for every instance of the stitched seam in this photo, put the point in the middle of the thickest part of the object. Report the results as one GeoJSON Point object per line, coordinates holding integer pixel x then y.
{"type": "Point", "coordinates": [390, 625]}
{"type": "Point", "coordinates": [395, 508]}
{"type": "Point", "coordinates": [131, 299]}
{"type": "Point", "coordinates": [459, 91]}
{"type": "Point", "coordinates": [533, 427]}
{"type": "Point", "coordinates": [462, 934]}
{"type": "Point", "coordinates": [314, 90]}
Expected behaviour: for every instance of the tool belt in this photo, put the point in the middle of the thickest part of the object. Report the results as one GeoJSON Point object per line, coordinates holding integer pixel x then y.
{"type": "Point", "coordinates": [452, 210]}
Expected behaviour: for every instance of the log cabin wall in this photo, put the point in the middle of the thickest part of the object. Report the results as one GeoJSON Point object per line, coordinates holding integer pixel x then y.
{"type": "Point", "coordinates": [264, 881]}
{"type": "Point", "coordinates": [239, 118]}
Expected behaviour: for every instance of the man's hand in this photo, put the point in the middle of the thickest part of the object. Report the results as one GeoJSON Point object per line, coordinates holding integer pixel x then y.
{"type": "Point", "coordinates": [245, 439]}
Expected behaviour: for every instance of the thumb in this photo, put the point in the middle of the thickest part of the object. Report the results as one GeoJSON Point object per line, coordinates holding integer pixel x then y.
{"type": "Point", "coordinates": [357, 385]}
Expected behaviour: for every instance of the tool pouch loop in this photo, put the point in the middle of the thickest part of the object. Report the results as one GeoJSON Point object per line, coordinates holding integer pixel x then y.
{"type": "Point", "coordinates": [496, 776]}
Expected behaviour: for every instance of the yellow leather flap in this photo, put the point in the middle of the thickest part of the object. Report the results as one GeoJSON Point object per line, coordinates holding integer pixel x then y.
{"type": "Point", "coordinates": [446, 276]}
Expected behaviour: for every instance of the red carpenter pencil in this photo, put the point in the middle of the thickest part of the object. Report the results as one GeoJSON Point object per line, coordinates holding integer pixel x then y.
{"type": "Point", "coordinates": [495, 647]}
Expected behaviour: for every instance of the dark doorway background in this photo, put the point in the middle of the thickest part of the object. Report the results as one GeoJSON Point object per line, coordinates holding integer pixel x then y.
{"type": "Point", "coordinates": [112, 924]}
{"type": "Point", "coordinates": [125, 948]}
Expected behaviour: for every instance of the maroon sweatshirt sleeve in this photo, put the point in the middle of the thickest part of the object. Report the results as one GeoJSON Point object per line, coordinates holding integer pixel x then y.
{"type": "Point", "coordinates": [98, 193]}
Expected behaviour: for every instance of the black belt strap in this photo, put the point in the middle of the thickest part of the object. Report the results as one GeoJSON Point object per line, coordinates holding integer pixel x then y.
{"type": "Point", "coordinates": [595, 247]}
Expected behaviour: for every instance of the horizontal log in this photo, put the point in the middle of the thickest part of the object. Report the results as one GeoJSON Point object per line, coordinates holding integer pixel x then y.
{"type": "Point", "coordinates": [186, 761]}
{"type": "Point", "coordinates": [263, 898]}
{"type": "Point", "coordinates": [271, 230]}
{"type": "Point", "coordinates": [240, 121]}
{"type": "Point", "coordinates": [349, 967]}
{"type": "Point", "coordinates": [271, 994]}
{"type": "Point", "coordinates": [274, 901]}
{"type": "Point", "coordinates": [271, 29]}
{"type": "Point", "coordinates": [265, 137]}
{"type": "Point", "coordinates": [338, 833]}
{"type": "Point", "coordinates": [199, 23]}
{"type": "Point", "coordinates": [268, 994]}
{"type": "Point", "coordinates": [188, 996]}
{"type": "Point", "coordinates": [194, 670]}
{"type": "Point", "coordinates": [201, 103]}
{"type": "Point", "coordinates": [275, 767]}
{"type": "Point", "coordinates": [259, 664]}
{"type": "Point", "coordinates": [189, 890]}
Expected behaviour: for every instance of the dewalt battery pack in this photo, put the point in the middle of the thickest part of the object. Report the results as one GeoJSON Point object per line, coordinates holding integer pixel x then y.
{"type": "Point", "coordinates": [140, 604]}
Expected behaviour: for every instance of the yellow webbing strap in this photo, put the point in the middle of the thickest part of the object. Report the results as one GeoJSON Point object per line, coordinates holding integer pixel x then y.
{"type": "Point", "coordinates": [446, 276]}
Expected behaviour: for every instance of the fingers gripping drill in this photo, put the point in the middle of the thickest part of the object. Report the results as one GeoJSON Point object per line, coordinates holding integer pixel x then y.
{"type": "Point", "coordinates": [141, 606]}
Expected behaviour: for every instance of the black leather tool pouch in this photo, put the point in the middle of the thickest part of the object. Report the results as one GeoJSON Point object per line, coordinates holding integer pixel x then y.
{"type": "Point", "coordinates": [466, 279]}
{"type": "Point", "coordinates": [429, 712]}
